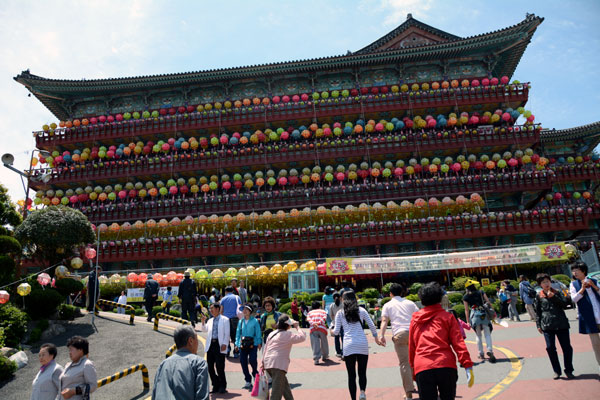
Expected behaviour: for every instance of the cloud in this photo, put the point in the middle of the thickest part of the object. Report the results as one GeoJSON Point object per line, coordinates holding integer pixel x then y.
{"type": "Point", "coordinates": [396, 10]}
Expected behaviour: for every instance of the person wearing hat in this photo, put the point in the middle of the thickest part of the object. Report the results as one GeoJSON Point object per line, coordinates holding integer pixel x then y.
{"type": "Point", "coordinates": [187, 297]}
{"type": "Point", "coordinates": [248, 340]}
{"type": "Point", "coordinates": [474, 301]}
{"type": "Point", "coordinates": [276, 355]}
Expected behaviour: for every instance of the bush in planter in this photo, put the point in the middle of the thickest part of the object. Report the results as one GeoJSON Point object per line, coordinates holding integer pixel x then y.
{"type": "Point", "coordinates": [156, 310]}
{"type": "Point", "coordinates": [385, 300]}
{"type": "Point", "coordinates": [139, 312]}
{"type": "Point", "coordinates": [371, 293]}
{"type": "Point", "coordinates": [414, 288]}
{"type": "Point", "coordinates": [455, 298]}
{"type": "Point", "coordinates": [413, 297]}
{"type": "Point", "coordinates": [385, 290]}
{"type": "Point", "coordinates": [490, 291]}
{"type": "Point", "coordinates": [564, 279]}
{"type": "Point", "coordinates": [459, 282]}
{"type": "Point", "coordinates": [460, 310]}
{"type": "Point", "coordinates": [42, 303]}
{"type": "Point", "coordinates": [284, 301]}
{"type": "Point", "coordinates": [67, 312]}
{"type": "Point", "coordinates": [1, 337]}
{"type": "Point", "coordinates": [285, 308]}
{"type": "Point", "coordinates": [318, 296]}
{"type": "Point", "coordinates": [7, 368]}
{"type": "Point", "coordinates": [175, 313]}
{"type": "Point", "coordinates": [14, 323]}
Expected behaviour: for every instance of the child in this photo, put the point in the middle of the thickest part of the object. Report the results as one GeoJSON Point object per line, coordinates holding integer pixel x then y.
{"type": "Point", "coordinates": [461, 324]}
{"type": "Point", "coordinates": [167, 300]}
{"type": "Point", "coordinates": [434, 337]}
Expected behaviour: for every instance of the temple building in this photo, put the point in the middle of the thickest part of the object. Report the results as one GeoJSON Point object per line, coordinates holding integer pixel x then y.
{"type": "Point", "coordinates": [419, 143]}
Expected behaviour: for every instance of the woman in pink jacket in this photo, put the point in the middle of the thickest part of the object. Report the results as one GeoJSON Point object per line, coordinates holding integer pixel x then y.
{"type": "Point", "coordinates": [276, 356]}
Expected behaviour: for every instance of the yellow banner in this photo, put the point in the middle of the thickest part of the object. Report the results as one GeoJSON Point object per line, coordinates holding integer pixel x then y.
{"type": "Point", "coordinates": [432, 262]}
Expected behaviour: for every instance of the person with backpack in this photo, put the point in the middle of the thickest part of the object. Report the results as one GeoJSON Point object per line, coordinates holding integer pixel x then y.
{"type": "Point", "coordinates": [527, 293]}
{"type": "Point", "coordinates": [553, 323]}
{"type": "Point", "coordinates": [504, 300]}
{"type": "Point", "coordinates": [475, 302]}
{"type": "Point", "coordinates": [356, 346]}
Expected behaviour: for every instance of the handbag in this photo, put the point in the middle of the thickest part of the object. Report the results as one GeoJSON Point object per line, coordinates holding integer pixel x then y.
{"type": "Point", "coordinates": [260, 389]}
{"type": "Point", "coordinates": [489, 311]}
{"type": "Point", "coordinates": [247, 343]}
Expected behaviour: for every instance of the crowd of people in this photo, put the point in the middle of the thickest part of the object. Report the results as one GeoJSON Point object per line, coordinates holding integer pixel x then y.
{"type": "Point", "coordinates": [427, 340]}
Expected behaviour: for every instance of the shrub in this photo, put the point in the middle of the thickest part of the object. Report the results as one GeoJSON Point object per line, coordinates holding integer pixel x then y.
{"type": "Point", "coordinates": [2, 337]}
{"type": "Point", "coordinates": [139, 312]}
{"type": "Point", "coordinates": [455, 298]}
{"type": "Point", "coordinates": [372, 302]}
{"type": "Point", "coordinates": [66, 286]}
{"type": "Point", "coordinates": [385, 290]}
{"type": "Point", "coordinates": [413, 297]}
{"type": "Point", "coordinates": [285, 308]}
{"type": "Point", "coordinates": [460, 310]}
{"type": "Point", "coordinates": [284, 301]}
{"type": "Point", "coordinates": [490, 291]}
{"type": "Point", "coordinates": [42, 303]}
{"type": "Point", "coordinates": [36, 333]}
{"type": "Point", "coordinates": [385, 300]}
{"type": "Point", "coordinates": [414, 288]}
{"type": "Point", "coordinates": [564, 279]}
{"type": "Point", "coordinates": [497, 306]}
{"type": "Point", "coordinates": [371, 293]}
{"type": "Point", "coordinates": [156, 310]}
{"type": "Point", "coordinates": [7, 269]}
{"type": "Point", "coordinates": [14, 322]}
{"type": "Point", "coordinates": [318, 296]}
{"type": "Point", "coordinates": [111, 290]}
{"type": "Point", "coordinates": [303, 297]}
{"type": "Point", "coordinates": [175, 313]}
{"type": "Point", "coordinates": [7, 368]}
{"type": "Point", "coordinates": [459, 282]}
{"type": "Point", "coordinates": [9, 245]}
{"type": "Point", "coordinates": [67, 311]}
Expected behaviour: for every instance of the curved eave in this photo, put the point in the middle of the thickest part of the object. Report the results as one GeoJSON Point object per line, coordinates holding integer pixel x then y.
{"type": "Point", "coordinates": [519, 35]}
{"type": "Point", "coordinates": [586, 132]}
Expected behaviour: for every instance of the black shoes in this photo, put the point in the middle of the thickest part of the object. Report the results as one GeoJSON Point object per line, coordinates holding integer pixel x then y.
{"type": "Point", "coordinates": [569, 375]}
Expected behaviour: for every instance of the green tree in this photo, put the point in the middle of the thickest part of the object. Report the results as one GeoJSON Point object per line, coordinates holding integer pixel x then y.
{"type": "Point", "coordinates": [52, 233]}
{"type": "Point", "coordinates": [10, 248]}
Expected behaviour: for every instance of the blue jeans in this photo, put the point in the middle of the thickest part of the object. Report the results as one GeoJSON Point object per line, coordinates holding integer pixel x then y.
{"type": "Point", "coordinates": [248, 356]}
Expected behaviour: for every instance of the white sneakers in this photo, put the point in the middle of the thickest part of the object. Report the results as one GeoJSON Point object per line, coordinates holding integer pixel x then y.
{"type": "Point", "coordinates": [362, 396]}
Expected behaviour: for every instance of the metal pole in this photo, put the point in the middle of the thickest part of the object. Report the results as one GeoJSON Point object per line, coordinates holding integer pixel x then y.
{"type": "Point", "coordinates": [97, 283]}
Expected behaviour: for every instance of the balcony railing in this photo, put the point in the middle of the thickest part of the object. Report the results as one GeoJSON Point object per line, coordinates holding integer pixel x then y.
{"type": "Point", "coordinates": [273, 155]}
{"type": "Point", "coordinates": [563, 219]}
{"type": "Point", "coordinates": [319, 196]}
{"type": "Point", "coordinates": [258, 115]}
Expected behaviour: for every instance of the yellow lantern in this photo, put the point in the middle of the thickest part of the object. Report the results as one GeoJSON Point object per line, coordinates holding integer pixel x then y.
{"type": "Point", "coordinates": [241, 272]}
{"type": "Point", "coordinates": [24, 289]}
{"type": "Point", "coordinates": [115, 279]}
{"type": "Point", "coordinates": [571, 250]}
{"type": "Point", "coordinates": [103, 279]}
{"type": "Point", "coordinates": [262, 270]}
{"type": "Point", "coordinates": [231, 273]}
{"type": "Point", "coordinates": [61, 271]}
{"type": "Point", "coordinates": [76, 263]}
{"type": "Point", "coordinates": [303, 267]}
{"type": "Point", "coordinates": [276, 269]}
{"type": "Point", "coordinates": [216, 274]}
{"type": "Point", "coordinates": [311, 265]}
{"type": "Point", "coordinates": [191, 271]}
{"type": "Point", "coordinates": [250, 270]}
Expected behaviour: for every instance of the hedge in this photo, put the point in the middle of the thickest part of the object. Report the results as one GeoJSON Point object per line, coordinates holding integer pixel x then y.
{"type": "Point", "coordinates": [9, 245]}
{"type": "Point", "coordinates": [67, 311]}
{"type": "Point", "coordinates": [413, 297]}
{"type": "Point", "coordinates": [455, 298]}
{"type": "Point", "coordinates": [318, 296]}
{"type": "Point", "coordinates": [460, 310]}
{"type": "Point", "coordinates": [66, 286]}
{"type": "Point", "coordinates": [385, 290]}
{"type": "Point", "coordinates": [371, 293]}
{"type": "Point", "coordinates": [42, 303]}
{"type": "Point", "coordinates": [414, 288]}
{"type": "Point", "coordinates": [14, 322]}
{"type": "Point", "coordinates": [285, 308]}
{"type": "Point", "coordinates": [385, 300]}
{"type": "Point", "coordinates": [564, 279]}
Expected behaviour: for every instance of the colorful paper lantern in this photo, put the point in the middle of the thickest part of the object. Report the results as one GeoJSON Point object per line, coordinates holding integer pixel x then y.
{"type": "Point", "coordinates": [76, 262]}
{"type": "Point", "coordinates": [24, 289]}
{"type": "Point", "coordinates": [4, 297]}
{"type": "Point", "coordinates": [43, 279]}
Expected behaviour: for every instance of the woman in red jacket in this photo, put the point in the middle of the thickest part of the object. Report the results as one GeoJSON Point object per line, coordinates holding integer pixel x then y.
{"type": "Point", "coordinates": [434, 333]}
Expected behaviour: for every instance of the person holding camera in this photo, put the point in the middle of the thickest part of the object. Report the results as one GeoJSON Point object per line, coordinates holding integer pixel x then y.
{"type": "Point", "coordinates": [248, 340]}
{"type": "Point", "coordinates": [475, 302]}
{"type": "Point", "coordinates": [553, 323]}
{"type": "Point", "coordinates": [586, 294]}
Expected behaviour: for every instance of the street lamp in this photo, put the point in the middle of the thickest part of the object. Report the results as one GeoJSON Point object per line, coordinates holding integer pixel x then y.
{"type": "Point", "coordinates": [8, 161]}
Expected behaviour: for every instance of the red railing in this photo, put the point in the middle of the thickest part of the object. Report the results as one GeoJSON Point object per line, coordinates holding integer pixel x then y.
{"type": "Point", "coordinates": [377, 234]}
{"type": "Point", "coordinates": [315, 197]}
{"type": "Point", "coordinates": [85, 135]}
{"type": "Point", "coordinates": [198, 161]}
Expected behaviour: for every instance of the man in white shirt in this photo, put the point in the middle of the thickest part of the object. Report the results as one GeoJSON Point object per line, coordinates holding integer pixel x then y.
{"type": "Point", "coordinates": [217, 339]}
{"type": "Point", "coordinates": [399, 312]}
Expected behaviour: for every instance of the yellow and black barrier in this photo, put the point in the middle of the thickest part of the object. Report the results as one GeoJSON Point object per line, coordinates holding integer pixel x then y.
{"type": "Point", "coordinates": [124, 373]}
{"type": "Point", "coordinates": [168, 317]}
{"type": "Point", "coordinates": [171, 350]}
{"type": "Point", "coordinates": [114, 303]}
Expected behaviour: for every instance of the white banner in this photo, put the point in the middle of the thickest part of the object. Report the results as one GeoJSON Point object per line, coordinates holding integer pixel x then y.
{"type": "Point", "coordinates": [136, 295]}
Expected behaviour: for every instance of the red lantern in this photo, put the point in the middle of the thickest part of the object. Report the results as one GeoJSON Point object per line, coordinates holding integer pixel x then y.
{"type": "Point", "coordinates": [4, 296]}
{"type": "Point", "coordinates": [90, 253]}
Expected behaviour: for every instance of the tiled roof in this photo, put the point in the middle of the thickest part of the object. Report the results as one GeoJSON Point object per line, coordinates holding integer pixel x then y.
{"type": "Point", "coordinates": [579, 132]}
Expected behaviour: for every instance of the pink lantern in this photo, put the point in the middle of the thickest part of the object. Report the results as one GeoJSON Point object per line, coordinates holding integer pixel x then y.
{"type": "Point", "coordinates": [223, 139]}
{"type": "Point", "coordinates": [73, 199]}
{"type": "Point", "coordinates": [304, 97]}
{"type": "Point", "coordinates": [173, 190]}
{"type": "Point", "coordinates": [226, 185]}
{"type": "Point", "coordinates": [119, 117]}
{"type": "Point", "coordinates": [513, 162]}
{"type": "Point", "coordinates": [505, 116]}
{"type": "Point", "coordinates": [474, 83]}
{"type": "Point", "coordinates": [122, 194]}
{"type": "Point", "coordinates": [485, 82]}
{"type": "Point", "coordinates": [283, 181]}
{"type": "Point", "coordinates": [276, 99]}
{"type": "Point", "coordinates": [494, 81]}
{"type": "Point", "coordinates": [165, 147]}
{"type": "Point", "coordinates": [340, 176]}
{"type": "Point", "coordinates": [285, 99]}
{"type": "Point", "coordinates": [142, 278]}
{"type": "Point", "coordinates": [43, 279]}
{"type": "Point", "coordinates": [102, 119]}
{"type": "Point", "coordinates": [4, 296]}
{"type": "Point", "coordinates": [504, 80]}
{"type": "Point", "coordinates": [295, 98]}
{"type": "Point", "coordinates": [90, 253]}
{"type": "Point", "coordinates": [456, 167]}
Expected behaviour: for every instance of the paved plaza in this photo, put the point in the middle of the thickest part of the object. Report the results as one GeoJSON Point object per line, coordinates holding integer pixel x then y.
{"type": "Point", "coordinates": [523, 368]}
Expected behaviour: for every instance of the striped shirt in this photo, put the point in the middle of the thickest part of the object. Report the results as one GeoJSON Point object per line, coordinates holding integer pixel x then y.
{"type": "Point", "coordinates": [355, 340]}
{"type": "Point", "coordinates": [317, 317]}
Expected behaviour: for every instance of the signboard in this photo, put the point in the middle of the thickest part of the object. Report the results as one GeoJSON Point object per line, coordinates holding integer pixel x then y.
{"type": "Point", "coordinates": [433, 262]}
{"type": "Point", "coordinates": [136, 295]}
{"type": "Point", "coordinates": [485, 281]}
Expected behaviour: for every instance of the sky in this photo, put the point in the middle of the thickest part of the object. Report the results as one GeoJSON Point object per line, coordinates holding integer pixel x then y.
{"type": "Point", "coordinates": [106, 39]}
